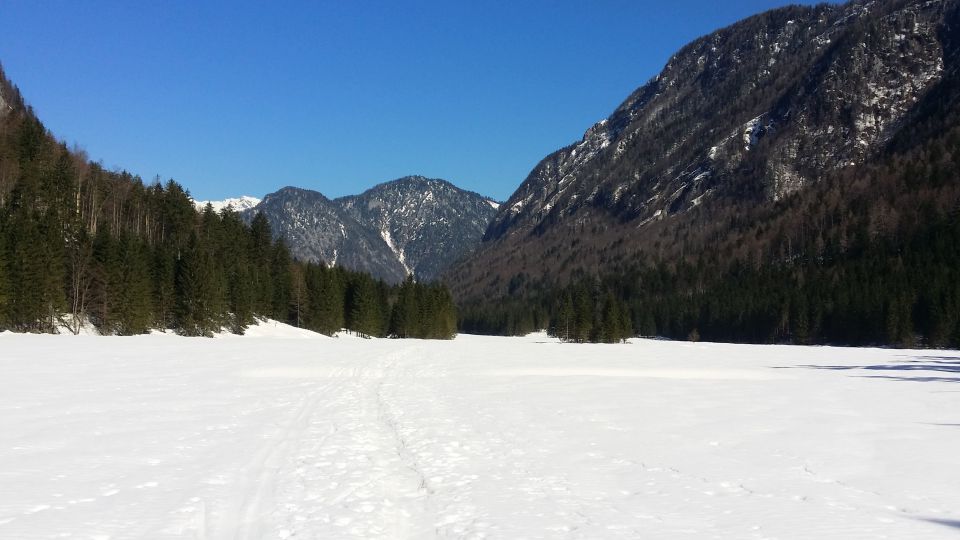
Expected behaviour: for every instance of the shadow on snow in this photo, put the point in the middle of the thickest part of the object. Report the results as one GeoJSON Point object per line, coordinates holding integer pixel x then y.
{"type": "Point", "coordinates": [939, 364]}
{"type": "Point", "coordinates": [954, 523]}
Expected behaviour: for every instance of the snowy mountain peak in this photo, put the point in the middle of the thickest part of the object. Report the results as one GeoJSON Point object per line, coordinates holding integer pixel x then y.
{"type": "Point", "coordinates": [412, 225]}
{"type": "Point", "coordinates": [239, 204]}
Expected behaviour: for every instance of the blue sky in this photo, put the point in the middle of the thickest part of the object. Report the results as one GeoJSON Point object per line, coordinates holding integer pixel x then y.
{"type": "Point", "coordinates": [233, 98]}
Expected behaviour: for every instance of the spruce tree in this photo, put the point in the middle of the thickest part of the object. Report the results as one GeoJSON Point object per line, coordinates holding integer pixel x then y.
{"type": "Point", "coordinates": [325, 298]}
{"type": "Point", "coordinates": [4, 275]}
{"type": "Point", "coordinates": [282, 279]}
{"type": "Point", "coordinates": [195, 291]}
{"type": "Point", "coordinates": [564, 318]}
{"type": "Point", "coordinates": [405, 313]}
{"type": "Point", "coordinates": [164, 273]}
{"type": "Point", "coordinates": [260, 244]}
{"type": "Point", "coordinates": [234, 254]}
{"type": "Point", "coordinates": [364, 309]}
{"type": "Point", "coordinates": [134, 313]}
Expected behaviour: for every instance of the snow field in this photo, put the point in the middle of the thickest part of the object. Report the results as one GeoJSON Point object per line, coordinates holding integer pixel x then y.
{"type": "Point", "coordinates": [277, 435]}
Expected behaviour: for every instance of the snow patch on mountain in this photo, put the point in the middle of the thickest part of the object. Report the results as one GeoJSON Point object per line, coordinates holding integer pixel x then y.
{"type": "Point", "coordinates": [239, 204]}
{"type": "Point", "coordinates": [385, 234]}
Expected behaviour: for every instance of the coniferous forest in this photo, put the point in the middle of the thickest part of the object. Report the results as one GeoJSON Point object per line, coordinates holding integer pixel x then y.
{"type": "Point", "coordinates": [78, 242]}
{"type": "Point", "coordinates": [869, 257]}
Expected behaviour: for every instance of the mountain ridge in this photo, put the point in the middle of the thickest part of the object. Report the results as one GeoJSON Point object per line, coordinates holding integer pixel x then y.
{"type": "Point", "coordinates": [408, 226]}
{"type": "Point", "coordinates": [743, 117]}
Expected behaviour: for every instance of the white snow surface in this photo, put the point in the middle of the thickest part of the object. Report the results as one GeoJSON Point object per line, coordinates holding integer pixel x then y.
{"type": "Point", "coordinates": [274, 436]}
{"type": "Point", "coordinates": [239, 204]}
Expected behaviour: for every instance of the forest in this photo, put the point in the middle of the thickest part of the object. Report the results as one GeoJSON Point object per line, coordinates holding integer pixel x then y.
{"type": "Point", "coordinates": [80, 243]}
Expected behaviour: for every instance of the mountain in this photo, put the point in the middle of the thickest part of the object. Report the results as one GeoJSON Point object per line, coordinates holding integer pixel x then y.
{"type": "Point", "coordinates": [316, 229]}
{"type": "Point", "coordinates": [413, 225]}
{"type": "Point", "coordinates": [428, 224]}
{"type": "Point", "coordinates": [737, 122]}
{"type": "Point", "coordinates": [239, 204]}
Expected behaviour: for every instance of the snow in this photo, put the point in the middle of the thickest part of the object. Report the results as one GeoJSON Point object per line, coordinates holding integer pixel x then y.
{"type": "Point", "coordinates": [274, 436]}
{"type": "Point", "coordinates": [239, 204]}
{"type": "Point", "coordinates": [401, 256]}
{"type": "Point", "coordinates": [68, 324]}
{"type": "Point", "coordinates": [493, 204]}
{"type": "Point", "coordinates": [273, 329]}
{"type": "Point", "coordinates": [751, 133]}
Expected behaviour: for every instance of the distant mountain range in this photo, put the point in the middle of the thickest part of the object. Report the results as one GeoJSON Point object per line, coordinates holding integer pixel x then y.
{"type": "Point", "coordinates": [409, 226]}
{"type": "Point", "coordinates": [239, 204]}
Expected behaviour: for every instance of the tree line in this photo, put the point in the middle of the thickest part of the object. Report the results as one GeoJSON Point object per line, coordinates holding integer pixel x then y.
{"type": "Point", "coordinates": [866, 256]}
{"type": "Point", "coordinates": [80, 243]}
{"type": "Point", "coordinates": [883, 291]}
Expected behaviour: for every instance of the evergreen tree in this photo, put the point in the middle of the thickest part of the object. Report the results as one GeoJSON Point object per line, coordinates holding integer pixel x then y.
{"type": "Point", "coordinates": [164, 270]}
{"type": "Point", "coordinates": [195, 291]}
{"type": "Point", "coordinates": [281, 279]}
{"type": "Point", "coordinates": [105, 282]}
{"type": "Point", "coordinates": [583, 308]}
{"type": "Point", "coordinates": [134, 313]}
{"type": "Point", "coordinates": [325, 299]}
{"type": "Point", "coordinates": [36, 271]}
{"type": "Point", "coordinates": [405, 313]}
{"type": "Point", "coordinates": [364, 311]}
{"type": "Point", "coordinates": [5, 293]}
{"type": "Point", "coordinates": [564, 318]}
{"type": "Point", "coordinates": [261, 242]}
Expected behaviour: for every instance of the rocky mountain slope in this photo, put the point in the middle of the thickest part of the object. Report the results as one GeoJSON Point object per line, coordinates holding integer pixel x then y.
{"type": "Point", "coordinates": [741, 118]}
{"type": "Point", "coordinates": [413, 225]}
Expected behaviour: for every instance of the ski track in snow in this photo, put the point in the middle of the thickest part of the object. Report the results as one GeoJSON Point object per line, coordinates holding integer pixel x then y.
{"type": "Point", "coordinates": [285, 437]}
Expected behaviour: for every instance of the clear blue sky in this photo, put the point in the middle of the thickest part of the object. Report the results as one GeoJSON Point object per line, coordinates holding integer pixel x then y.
{"type": "Point", "coordinates": [233, 98]}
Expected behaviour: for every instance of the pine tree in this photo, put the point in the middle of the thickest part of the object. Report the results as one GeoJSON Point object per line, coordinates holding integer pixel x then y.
{"type": "Point", "coordinates": [105, 281]}
{"type": "Point", "coordinates": [611, 322]}
{"type": "Point", "coordinates": [364, 310]}
{"type": "Point", "coordinates": [583, 306]}
{"type": "Point", "coordinates": [282, 279]}
{"type": "Point", "coordinates": [134, 313]}
{"type": "Point", "coordinates": [195, 291]}
{"type": "Point", "coordinates": [164, 271]}
{"type": "Point", "coordinates": [325, 299]}
{"type": "Point", "coordinates": [405, 313]}
{"type": "Point", "coordinates": [4, 275]}
{"type": "Point", "coordinates": [261, 242]}
{"type": "Point", "coordinates": [36, 271]}
{"type": "Point", "coordinates": [564, 320]}
{"type": "Point", "coordinates": [234, 254]}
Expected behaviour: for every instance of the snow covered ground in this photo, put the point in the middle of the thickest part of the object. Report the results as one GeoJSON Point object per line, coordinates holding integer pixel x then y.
{"type": "Point", "coordinates": [277, 435]}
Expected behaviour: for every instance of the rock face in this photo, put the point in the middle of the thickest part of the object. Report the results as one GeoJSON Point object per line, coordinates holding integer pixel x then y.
{"type": "Point", "coordinates": [413, 225]}
{"type": "Point", "coordinates": [9, 96]}
{"type": "Point", "coordinates": [428, 224]}
{"type": "Point", "coordinates": [750, 113]}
